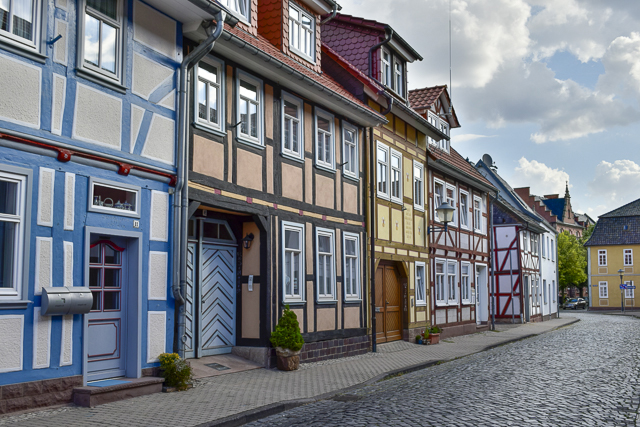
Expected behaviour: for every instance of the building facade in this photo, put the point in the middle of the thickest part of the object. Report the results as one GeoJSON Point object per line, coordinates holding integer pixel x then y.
{"type": "Point", "coordinates": [556, 210]}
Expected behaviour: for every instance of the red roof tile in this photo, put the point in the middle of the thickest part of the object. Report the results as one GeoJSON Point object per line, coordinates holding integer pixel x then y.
{"type": "Point", "coordinates": [456, 160]}
{"type": "Point", "coordinates": [352, 69]}
{"type": "Point", "coordinates": [424, 98]}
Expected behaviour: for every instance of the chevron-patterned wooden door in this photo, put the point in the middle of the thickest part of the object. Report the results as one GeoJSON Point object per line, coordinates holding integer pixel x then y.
{"type": "Point", "coordinates": [217, 297]}
{"type": "Point", "coordinates": [190, 291]}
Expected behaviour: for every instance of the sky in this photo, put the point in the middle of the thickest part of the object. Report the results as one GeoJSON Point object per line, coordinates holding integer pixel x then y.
{"type": "Point", "coordinates": [549, 88]}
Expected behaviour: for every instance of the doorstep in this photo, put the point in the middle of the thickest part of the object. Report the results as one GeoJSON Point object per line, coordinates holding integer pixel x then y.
{"type": "Point", "coordinates": [90, 396]}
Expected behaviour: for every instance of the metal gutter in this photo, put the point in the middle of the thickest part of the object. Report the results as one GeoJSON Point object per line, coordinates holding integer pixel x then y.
{"type": "Point", "coordinates": [334, 12]}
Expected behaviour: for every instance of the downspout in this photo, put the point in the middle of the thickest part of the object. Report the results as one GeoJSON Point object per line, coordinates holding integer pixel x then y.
{"type": "Point", "coordinates": [180, 197]}
{"type": "Point", "coordinates": [372, 235]}
{"type": "Point", "coordinates": [333, 14]}
{"type": "Point", "coordinates": [493, 274]}
{"type": "Point", "coordinates": [382, 43]}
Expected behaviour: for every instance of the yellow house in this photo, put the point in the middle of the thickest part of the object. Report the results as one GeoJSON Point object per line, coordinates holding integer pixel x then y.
{"type": "Point", "coordinates": [612, 250]}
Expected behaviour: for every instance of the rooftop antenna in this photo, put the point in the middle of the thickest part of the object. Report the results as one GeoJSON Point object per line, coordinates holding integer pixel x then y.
{"type": "Point", "coordinates": [450, 84]}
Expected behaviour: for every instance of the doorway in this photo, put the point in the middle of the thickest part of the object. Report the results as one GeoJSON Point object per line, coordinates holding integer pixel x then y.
{"type": "Point", "coordinates": [388, 301]}
{"type": "Point", "coordinates": [482, 294]}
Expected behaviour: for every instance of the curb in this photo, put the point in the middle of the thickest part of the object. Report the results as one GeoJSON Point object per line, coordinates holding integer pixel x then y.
{"type": "Point", "coordinates": [276, 408]}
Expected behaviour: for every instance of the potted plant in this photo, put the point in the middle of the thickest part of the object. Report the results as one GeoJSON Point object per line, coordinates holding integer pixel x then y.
{"type": "Point", "coordinates": [425, 337]}
{"type": "Point", "coordinates": [435, 334]}
{"type": "Point", "coordinates": [177, 373]}
{"type": "Point", "coordinates": [418, 339]}
{"type": "Point", "coordinates": [288, 341]}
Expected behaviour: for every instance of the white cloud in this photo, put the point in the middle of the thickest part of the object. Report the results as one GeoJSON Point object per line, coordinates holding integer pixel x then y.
{"type": "Point", "coordinates": [616, 183]}
{"type": "Point", "coordinates": [541, 178]}
{"type": "Point", "coordinates": [468, 137]}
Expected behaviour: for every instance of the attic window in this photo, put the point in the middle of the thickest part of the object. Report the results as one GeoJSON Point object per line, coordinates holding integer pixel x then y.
{"type": "Point", "coordinates": [241, 7]}
{"type": "Point", "coordinates": [301, 32]}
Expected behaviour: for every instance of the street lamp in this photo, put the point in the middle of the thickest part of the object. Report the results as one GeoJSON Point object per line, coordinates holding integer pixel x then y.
{"type": "Point", "coordinates": [445, 214]}
{"type": "Point", "coordinates": [621, 273]}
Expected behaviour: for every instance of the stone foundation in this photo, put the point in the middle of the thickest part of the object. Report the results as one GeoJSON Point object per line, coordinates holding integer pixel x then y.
{"type": "Point", "coordinates": [330, 349]}
{"type": "Point", "coordinates": [37, 394]}
{"type": "Point", "coordinates": [410, 334]}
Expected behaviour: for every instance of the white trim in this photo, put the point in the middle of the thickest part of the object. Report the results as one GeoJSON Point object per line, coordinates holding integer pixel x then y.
{"type": "Point", "coordinates": [442, 197]}
{"type": "Point", "coordinates": [386, 78]}
{"type": "Point", "coordinates": [16, 291]}
{"type": "Point", "coordinates": [398, 155]}
{"type": "Point", "coordinates": [38, 101]}
{"type": "Point", "coordinates": [358, 295]}
{"type": "Point", "coordinates": [327, 296]}
{"type": "Point", "coordinates": [65, 320]}
{"type": "Point", "coordinates": [418, 206]}
{"type": "Point", "coordinates": [629, 293]}
{"type": "Point", "coordinates": [456, 276]}
{"type": "Point", "coordinates": [466, 226]}
{"type": "Point", "coordinates": [387, 163]}
{"type": "Point", "coordinates": [443, 301]}
{"type": "Point", "coordinates": [56, 128]}
{"type": "Point", "coordinates": [356, 143]}
{"type": "Point", "coordinates": [421, 302]}
{"type": "Point", "coordinates": [37, 285]}
{"type": "Point", "coordinates": [332, 144]}
{"type": "Point", "coordinates": [135, 132]}
{"type": "Point", "coordinates": [602, 252]}
{"type": "Point", "coordinates": [624, 256]}
{"type": "Point", "coordinates": [299, 228]}
{"type": "Point", "coordinates": [603, 286]}
{"type": "Point", "coordinates": [248, 78]}
{"type": "Point", "coordinates": [118, 186]}
{"type": "Point", "coordinates": [154, 194]}
{"type": "Point", "coordinates": [41, 196]}
{"type": "Point", "coordinates": [454, 205]}
{"type": "Point", "coordinates": [69, 200]}
{"type": "Point", "coordinates": [67, 271]}
{"type": "Point", "coordinates": [312, 57]}
{"type": "Point", "coordinates": [469, 277]}
{"type": "Point", "coordinates": [477, 229]}
{"type": "Point", "coordinates": [151, 297]}
{"type": "Point", "coordinates": [300, 105]}
{"type": "Point", "coordinates": [433, 119]}
{"type": "Point", "coordinates": [36, 25]}
{"type": "Point", "coordinates": [222, 94]}
{"type": "Point", "coordinates": [236, 13]}
{"type": "Point", "coordinates": [21, 317]}
{"type": "Point", "coordinates": [74, 135]}
{"type": "Point", "coordinates": [164, 335]}
{"type": "Point", "coordinates": [36, 321]}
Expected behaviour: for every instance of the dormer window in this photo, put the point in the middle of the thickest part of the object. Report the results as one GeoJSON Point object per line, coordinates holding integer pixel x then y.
{"type": "Point", "coordinates": [386, 68]}
{"type": "Point", "coordinates": [397, 74]}
{"type": "Point", "coordinates": [240, 7]}
{"type": "Point", "coordinates": [301, 32]}
{"type": "Point", "coordinates": [392, 71]}
{"type": "Point", "coordinates": [444, 143]}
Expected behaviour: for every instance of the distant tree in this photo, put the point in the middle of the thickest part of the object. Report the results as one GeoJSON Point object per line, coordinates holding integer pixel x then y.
{"type": "Point", "coordinates": [582, 240]}
{"type": "Point", "coordinates": [572, 261]}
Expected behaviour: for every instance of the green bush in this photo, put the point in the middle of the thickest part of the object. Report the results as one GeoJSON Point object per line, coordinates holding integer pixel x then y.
{"type": "Point", "coordinates": [176, 371]}
{"type": "Point", "coordinates": [435, 330]}
{"type": "Point", "coordinates": [287, 333]}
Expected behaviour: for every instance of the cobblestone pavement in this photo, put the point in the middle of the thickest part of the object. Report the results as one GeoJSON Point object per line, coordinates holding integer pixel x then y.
{"type": "Point", "coordinates": [229, 395]}
{"type": "Point", "coordinates": [584, 374]}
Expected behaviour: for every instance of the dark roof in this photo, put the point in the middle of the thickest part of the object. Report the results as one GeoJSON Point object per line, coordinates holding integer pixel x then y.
{"type": "Point", "coordinates": [556, 206]}
{"type": "Point", "coordinates": [455, 160]}
{"type": "Point", "coordinates": [611, 231]}
{"type": "Point", "coordinates": [630, 209]}
{"type": "Point", "coordinates": [351, 69]}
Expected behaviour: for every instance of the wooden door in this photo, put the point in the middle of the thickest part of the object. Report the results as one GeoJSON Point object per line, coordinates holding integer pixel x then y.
{"type": "Point", "coordinates": [388, 304]}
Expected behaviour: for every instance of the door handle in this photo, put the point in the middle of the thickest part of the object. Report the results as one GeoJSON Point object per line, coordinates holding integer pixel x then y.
{"type": "Point", "coordinates": [386, 302]}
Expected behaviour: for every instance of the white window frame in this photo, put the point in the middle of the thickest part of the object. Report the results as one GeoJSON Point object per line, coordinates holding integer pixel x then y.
{"type": "Point", "coordinates": [235, 7]}
{"type": "Point", "coordinates": [36, 25]}
{"type": "Point", "coordinates": [464, 210]}
{"type": "Point", "coordinates": [435, 122]}
{"type": "Point", "coordinates": [603, 290]}
{"type": "Point", "coordinates": [444, 143]}
{"type": "Point", "coordinates": [352, 168]}
{"type": "Point", "coordinates": [602, 256]}
{"type": "Point", "coordinates": [478, 226]}
{"type": "Point", "coordinates": [247, 138]}
{"type": "Point", "coordinates": [418, 196]}
{"type": "Point", "coordinates": [553, 291]}
{"type": "Point", "coordinates": [465, 285]}
{"type": "Point", "coordinates": [421, 302]}
{"type": "Point", "coordinates": [386, 164]}
{"type": "Point", "coordinates": [628, 252]}
{"type": "Point", "coordinates": [120, 25]}
{"type": "Point", "coordinates": [298, 228]}
{"type": "Point", "coordinates": [357, 296]}
{"type": "Point", "coordinates": [220, 86]}
{"type": "Point", "coordinates": [438, 198]}
{"type": "Point", "coordinates": [117, 186]}
{"type": "Point", "coordinates": [311, 56]}
{"type": "Point", "coordinates": [398, 156]}
{"type": "Point", "coordinates": [534, 244]}
{"type": "Point", "coordinates": [386, 72]}
{"type": "Point", "coordinates": [20, 245]}
{"type": "Point", "coordinates": [440, 282]}
{"type": "Point", "coordinates": [544, 252]}
{"type": "Point", "coordinates": [331, 165]}
{"type": "Point", "coordinates": [452, 288]}
{"type": "Point", "coordinates": [454, 203]}
{"type": "Point", "coordinates": [326, 297]}
{"type": "Point", "coordinates": [553, 251]}
{"type": "Point", "coordinates": [629, 293]}
{"type": "Point", "coordinates": [398, 77]}
{"type": "Point", "coordinates": [289, 152]}
{"type": "Point", "coordinates": [525, 241]}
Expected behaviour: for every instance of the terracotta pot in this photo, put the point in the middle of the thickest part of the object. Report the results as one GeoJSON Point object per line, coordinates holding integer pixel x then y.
{"type": "Point", "coordinates": [287, 359]}
{"type": "Point", "coordinates": [435, 338]}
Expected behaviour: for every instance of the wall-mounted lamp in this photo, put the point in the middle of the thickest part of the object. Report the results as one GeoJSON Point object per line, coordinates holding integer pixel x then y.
{"type": "Point", "coordinates": [445, 214]}
{"type": "Point", "coordinates": [246, 242]}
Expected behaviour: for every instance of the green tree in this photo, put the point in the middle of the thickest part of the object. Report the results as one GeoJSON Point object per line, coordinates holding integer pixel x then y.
{"type": "Point", "coordinates": [572, 261]}
{"type": "Point", "coordinates": [582, 240]}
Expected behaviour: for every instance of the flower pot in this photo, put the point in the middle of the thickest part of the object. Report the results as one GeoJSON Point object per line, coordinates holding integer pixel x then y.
{"type": "Point", "coordinates": [435, 338]}
{"type": "Point", "coordinates": [419, 341]}
{"type": "Point", "coordinates": [287, 359]}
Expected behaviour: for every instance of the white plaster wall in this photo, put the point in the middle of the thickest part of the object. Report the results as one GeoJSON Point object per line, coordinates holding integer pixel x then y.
{"type": "Point", "coordinates": [60, 47]}
{"type": "Point", "coordinates": [69, 200]}
{"type": "Point", "coordinates": [66, 341]}
{"type": "Point", "coordinates": [441, 317]}
{"type": "Point", "coordinates": [156, 329]}
{"type": "Point", "coordinates": [45, 197]}
{"type": "Point", "coordinates": [148, 75]}
{"type": "Point", "coordinates": [44, 255]}
{"type": "Point", "coordinates": [20, 92]}
{"type": "Point", "coordinates": [466, 314]}
{"type": "Point", "coordinates": [154, 29]}
{"type": "Point", "coordinates": [67, 250]}
{"type": "Point", "coordinates": [11, 339]}
{"type": "Point", "coordinates": [452, 315]}
{"type": "Point", "coordinates": [169, 101]}
{"type": "Point", "coordinates": [62, 4]}
{"type": "Point", "coordinates": [41, 340]}
{"type": "Point", "coordinates": [160, 142]}
{"type": "Point", "coordinates": [159, 221]}
{"type": "Point", "coordinates": [137, 114]}
{"type": "Point", "coordinates": [158, 275]}
{"type": "Point", "coordinates": [98, 117]}
{"type": "Point", "coordinates": [58, 101]}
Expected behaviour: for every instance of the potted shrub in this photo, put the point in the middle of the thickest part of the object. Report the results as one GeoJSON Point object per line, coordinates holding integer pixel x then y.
{"type": "Point", "coordinates": [425, 337]}
{"type": "Point", "coordinates": [418, 339]}
{"type": "Point", "coordinates": [288, 341]}
{"type": "Point", "coordinates": [434, 333]}
{"type": "Point", "coordinates": [177, 373]}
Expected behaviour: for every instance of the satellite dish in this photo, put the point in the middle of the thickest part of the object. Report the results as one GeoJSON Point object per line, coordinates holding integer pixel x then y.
{"type": "Point", "coordinates": [487, 160]}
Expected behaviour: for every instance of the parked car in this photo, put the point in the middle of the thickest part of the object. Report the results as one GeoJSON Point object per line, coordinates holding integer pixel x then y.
{"type": "Point", "coordinates": [575, 303]}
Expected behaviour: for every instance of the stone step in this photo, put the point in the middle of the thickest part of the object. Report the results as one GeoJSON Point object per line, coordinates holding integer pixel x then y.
{"type": "Point", "coordinates": [89, 396]}
{"type": "Point", "coordinates": [482, 328]}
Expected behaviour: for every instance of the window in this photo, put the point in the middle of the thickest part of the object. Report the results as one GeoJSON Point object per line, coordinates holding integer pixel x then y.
{"type": "Point", "coordinates": [441, 296]}
{"type": "Point", "coordinates": [525, 241]}
{"type": "Point", "coordinates": [350, 151]}
{"type": "Point", "coordinates": [396, 176]}
{"type": "Point", "coordinates": [293, 279]}
{"type": "Point", "coordinates": [209, 94]}
{"type": "Point", "coordinates": [249, 109]}
{"type": "Point", "coordinates": [438, 197]}
{"type": "Point", "coordinates": [544, 252]}
{"type": "Point", "coordinates": [386, 68]}
{"type": "Point", "coordinates": [326, 272]}
{"type": "Point", "coordinates": [398, 78]}
{"type": "Point", "coordinates": [383, 170]}
{"type": "Point", "coordinates": [418, 185]}
{"type": "Point", "coordinates": [324, 139]}
{"type": "Point", "coordinates": [553, 251]}
{"type": "Point", "coordinates": [464, 209]}
{"type": "Point", "coordinates": [444, 143]}
{"type": "Point", "coordinates": [240, 7]}
{"type": "Point", "coordinates": [18, 20]}
{"type": "Point", "coordinates": [451, 282]}
{"type": "Point", "coordinates": [451, 199]}
{"type": "Point", "coordinates": [477, 214]}
{"type": "Point", "coordinates": [538, 292]}
{"type": "Point", "coordinates": [102, 37]}
{"type": "Point", "coordinates": [628, 257]}
{"type": "Point", "coordinates": [554, 292]}
{"type": "Point", "coordinates": [544, 290]}
{"type": "Point", "coordinates": [292, 119]}
{"type": "Point", "coordinates": [604, 289]}
{"type": "Point", "coordinates": [114, 198]}
{"type": "Point", "coordinates": [628, 293]}
{"type": "Point", "coordinates": [13, 199]}
{"type": "Point", "coordinates": [351, 244]}
{"type": "Point", "coordinates": [534, 244]}
{"type": "Point", "coordinates": [465, 283]}
{"type": "Point", "coordinates": [421, 291]}
{"type": "Point", "coordinates": [602, 258]}
{"type": "Point", "coordinates": [433, 120]}
{"type": "Point", "coordinates": [302, 32]}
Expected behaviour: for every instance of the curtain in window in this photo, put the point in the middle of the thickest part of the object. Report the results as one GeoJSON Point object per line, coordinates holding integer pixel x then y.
{"type": "Point", "coordinates": [23, 18]}
{"type": "Point", "coordinates": [106, 7]}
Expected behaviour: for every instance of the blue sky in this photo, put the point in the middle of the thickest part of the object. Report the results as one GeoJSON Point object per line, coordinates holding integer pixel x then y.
{"type": "Point", "coordinates": [548, 88]}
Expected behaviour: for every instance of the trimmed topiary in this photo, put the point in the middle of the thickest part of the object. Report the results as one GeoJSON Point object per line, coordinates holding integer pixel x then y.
{"type": "Point", "coordinates": [287, 333]}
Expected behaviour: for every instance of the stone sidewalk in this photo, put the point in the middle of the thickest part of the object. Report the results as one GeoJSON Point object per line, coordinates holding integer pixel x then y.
{"type": "Point", "coordinates": [238, 398]}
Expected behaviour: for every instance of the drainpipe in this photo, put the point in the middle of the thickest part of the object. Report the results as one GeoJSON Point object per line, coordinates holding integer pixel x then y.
{"type": "Point", "coordinates": [372, 195]}
{"type": "Point", "coordinates": [492, 262]}
{"type": "Point", "coordinates": [181, 198]}
{"type": "Point", "coordinates": [382, 43]}
{"type": "Point", "coordinates": [333, 14]}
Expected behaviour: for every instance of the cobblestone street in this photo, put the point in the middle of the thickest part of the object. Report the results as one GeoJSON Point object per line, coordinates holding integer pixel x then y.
{"type": "Point", "coordinates": [583, 374]}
